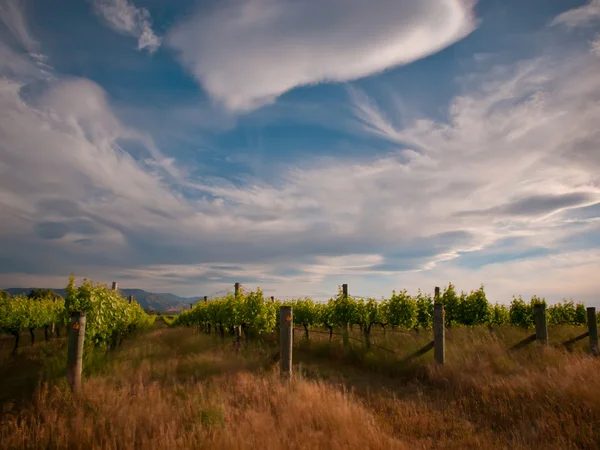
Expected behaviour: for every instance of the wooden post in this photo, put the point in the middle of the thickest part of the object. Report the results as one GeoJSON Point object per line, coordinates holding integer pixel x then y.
{"type": "Point", "coordinates": [346, 325]}
{"type": "Point", "coordinates": [115, 285]}
{"type": "Point", "coordinates": [593, 329]}
{"type": "Point", "coordinates": [436, 296]}
{"type": "Point", "coordinates": [286, 325]}
{"type": "Point", "coordinates": [205, 298]}
{"type": "Point", "coordinates": [191, 306]}
{"type": "Point", "coordinates": [53, 325]}
{"type": "Point", "coordinates": [272, 299]}
{"type": "Point", "coordinates": [131, 299]}
{"type": "Point", "coordinates": [439, 334]}
{"type": "Point", "coordinates": [75, 350]}
{"type": "Point", "coordinates": [541, 327]}
{"type": "Point", "coordinates": [237, 337]}
{"type": "Point", "coordinates": [237, 289]}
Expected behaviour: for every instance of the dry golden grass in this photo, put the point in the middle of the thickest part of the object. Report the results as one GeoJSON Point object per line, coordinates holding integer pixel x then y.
{"type": "Point", "coordinates": [176, 388]}
{"type": "Point", "coordinates": [155, 397]}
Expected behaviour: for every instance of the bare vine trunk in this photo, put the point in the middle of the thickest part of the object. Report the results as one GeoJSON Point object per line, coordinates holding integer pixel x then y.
{"type": "Point", "coordinates": [17, 340]}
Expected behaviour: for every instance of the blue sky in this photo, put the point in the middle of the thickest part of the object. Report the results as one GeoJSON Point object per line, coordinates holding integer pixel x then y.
{"type": "Point", "coordinates": [181, 146]}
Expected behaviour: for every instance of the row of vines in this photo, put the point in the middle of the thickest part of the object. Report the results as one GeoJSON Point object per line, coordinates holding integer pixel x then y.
{"type": "Point", "coordinates": [254, 313]}
{"type": "Point", "coordinates": [109, 316]}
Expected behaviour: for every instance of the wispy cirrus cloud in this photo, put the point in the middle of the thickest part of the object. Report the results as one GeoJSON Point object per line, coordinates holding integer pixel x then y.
{"type": "Point", "coordinates": [578, 17]}
{"type": "Point", "coordinates": [247, 54]}
{"type": "Point", "coordinates": [519, 152]}
{"type": "Point", "coordinates": [124, 17]}
{"type": "Point", "coordinates": [12, 14]}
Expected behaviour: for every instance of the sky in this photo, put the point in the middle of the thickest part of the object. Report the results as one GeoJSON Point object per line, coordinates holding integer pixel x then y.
{"type": "Point", "coordinates": [182, 146]}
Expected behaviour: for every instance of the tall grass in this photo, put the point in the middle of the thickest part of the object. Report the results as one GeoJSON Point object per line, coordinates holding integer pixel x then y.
{"type": "Point", "coordinates": [177, 388]}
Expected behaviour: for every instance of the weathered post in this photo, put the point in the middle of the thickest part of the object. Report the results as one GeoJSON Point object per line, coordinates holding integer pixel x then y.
{"type": "Point", "coordinates": [346, 325]}
{"type": "Point", "coordinates": [593, 329]}
{"type": "Point", "coordinates": [115, 286]}
{"type": "Point", "coordinates": [75, 350]}
{"type": "Point", "coordinates": [439, 334]}
{"type": "Point", "coordinates": [541, 327]}
{"type": "Point", "coordinates": [205, 298]}
{"type": "Point", "coordinates": [237, 337]}
{"type": "Point", "coordinates": [237, 329]}
{"type": "Point", "coordinates": [286, 325]}
{"type": "Point", "coordinates": [53, 328]}
{"type": "Point", "coordinates": [272, 299]}
{"type": "Point", "coordinates": [131, 299]}
{"type": "Point", "coordinates": [191, 306]}
{"type": "Point", "coordinates": [436, 296]}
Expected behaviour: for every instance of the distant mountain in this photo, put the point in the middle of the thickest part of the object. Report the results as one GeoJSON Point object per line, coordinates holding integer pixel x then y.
{"type": "Point", "coordinates": [164, 303]}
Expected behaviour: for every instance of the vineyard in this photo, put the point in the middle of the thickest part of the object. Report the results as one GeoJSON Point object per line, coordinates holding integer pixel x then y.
{"type": "Point", "coordinates": [255, 314]}
{"type": "Point", "coordinates": [110, 317]}
{"type": "Point", "coordinates": [177, 384]}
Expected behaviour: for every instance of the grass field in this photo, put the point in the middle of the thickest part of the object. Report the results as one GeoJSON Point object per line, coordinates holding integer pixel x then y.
{"type": "Point", "coordinates": [181, 388]}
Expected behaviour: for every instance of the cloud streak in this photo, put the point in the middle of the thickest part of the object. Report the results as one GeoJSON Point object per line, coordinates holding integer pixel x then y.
{"type": "Point", "coordinates": [246, 55]}
{"type": "Point", "coordinates": [12, 14]}
{"type": "Point", "coordinates": [579, 17]}
{"type": "Point", "coordinates": [123, 17]}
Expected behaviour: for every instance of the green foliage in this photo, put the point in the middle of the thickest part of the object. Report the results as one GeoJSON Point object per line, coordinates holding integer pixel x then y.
{"type": "Point", "coordinates": [474, 308]}
{"type": "Point", "coordinates": [20, 313]}
{"type": "Point", "coordinates": [561, 313]}
{"type": "Point", "coordinates": [369, 313]}
{"type": "Point", "coordinates": [451, 303]}
{"type": "Point", "coordinates": [521, 313]}
{"type": "Point", "coordinates": [305, 312]}
{"type": "Point", "coordinates": [109, 316]}
{"type": "Point", "coordinates": [251, 311]}
{"type": "Point", "coordinates": [402, 310]}
{"type": "Point", "coordinates": [424, 310]}
{"type": "Point", "coordinates": [345, 310]}
{"type": "Point", "coordinates": [580, 314]}
{"type": "Point", "coordinates": [499, 314]}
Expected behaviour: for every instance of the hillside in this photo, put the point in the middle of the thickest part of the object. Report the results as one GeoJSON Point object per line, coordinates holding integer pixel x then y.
{"type": "Point", "coordinates": [161, 302]}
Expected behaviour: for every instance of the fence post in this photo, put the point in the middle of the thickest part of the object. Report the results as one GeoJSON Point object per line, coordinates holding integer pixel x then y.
{"type": "Point", "coordinates": [541, 327]}
{"type": "Point", "coordinates": [53, 325]}
{"type": "Point", "coordinates": [272, 299]}
{"type": "Point", "coordinates": [205, 298]}
{"type": "Point", "coordinates": [593, 329]}
{"type": "Point", "coordinates": [436, 296]}
{"type": "Point", "coordinates": [237, 337]}
{"type": "Point", "coordinates": [346, 325]}
{"type": "Point", "coordinates": [237, 289]}
{"type": "Point", "coordinates": [286, 325]}
{"type": "Point", "coordinates": [75, 350]}
{"type": "Point", "coordinates": [131, 299]}
{"type": "Point", "coordinates": [115, 286]}
{"type": "Point", "coordinates": [439, 333]}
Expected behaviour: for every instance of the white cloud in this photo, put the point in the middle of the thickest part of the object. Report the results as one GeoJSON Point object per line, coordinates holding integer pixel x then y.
{"type": "Point", "coordinates": [578, 17]}
{"type": "Point", "coordinates": [518, 154]}
{"type": "Point", "coordinates": [123, 17]}
{"type": "Point", "coordinates": [13, 62]}
{"type": "Point", "coordinates": [12, 13]}
{"type": "Point", "coordinates": [247, 54]}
